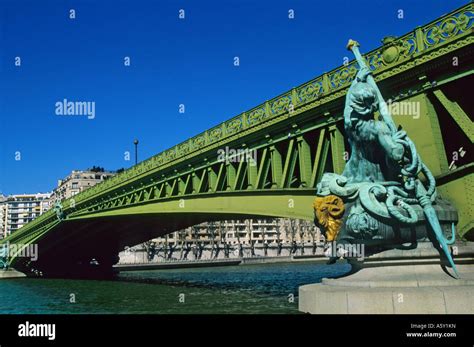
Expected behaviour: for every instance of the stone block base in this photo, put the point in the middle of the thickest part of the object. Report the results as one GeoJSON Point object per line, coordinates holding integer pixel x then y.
{"type": "Point", "coordinates": [404, 284]}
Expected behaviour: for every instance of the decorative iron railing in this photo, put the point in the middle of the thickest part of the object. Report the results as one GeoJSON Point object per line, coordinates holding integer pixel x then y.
{"type": "Point", "coordinates": [394, 52]}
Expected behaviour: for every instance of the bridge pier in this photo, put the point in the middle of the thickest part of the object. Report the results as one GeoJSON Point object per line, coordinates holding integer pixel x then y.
{"type": "Point", "coordinates": [397, 282]}
{"type": "Point", "coordinates": [11, 273]}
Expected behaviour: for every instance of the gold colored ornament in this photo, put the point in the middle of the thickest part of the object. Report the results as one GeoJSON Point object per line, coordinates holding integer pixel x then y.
{"type": "Point", "coordinates": [328, 211]}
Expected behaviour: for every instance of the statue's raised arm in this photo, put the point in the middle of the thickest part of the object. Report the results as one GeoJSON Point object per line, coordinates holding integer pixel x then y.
{"type": "Point", "coordinates": [385, 114]}
{"type": "Point", "coordinates": [374, 149]}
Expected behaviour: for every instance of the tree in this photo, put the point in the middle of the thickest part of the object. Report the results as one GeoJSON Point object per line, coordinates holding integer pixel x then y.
{"type": "Point", "coordinates": [219, 240]}
{"type": "Point", "coordinates": [224, 240]}
{"type": "Point", "coordinates": [314, 234]}
{"type": "Point", "coordinates": [165, 247]}
{"type": "Point", "coordinates": [186, 251]}
{"type": "Point", "coordinates": [195, 236]}
{"type": "Point", "coordinates": [250, 238]}
{"type": "Point", "coordinates": [172, 247]}
{"type": "Point", "coordinates": [279, 240]}
{"type": "Point", "coordinates": [150, 249]}
{"type": "Point", "coordinates": [241, 250]}
{"type": "Point", "coordinates": [97, 169]}
{"type": "Point", "coordinates": [291, 234]}
{"type": "Point", "coordinates": [182, 241]}
{"type": "Point", "coordinates": [252, 247]}
{"type": "Point", "coordinates": [186, 244]}
{"type": "Point", "coordinates": [212, 233]}
{"type": "Point", "coordinates": [201, 247]}
{"type": "Point", "coordinates": [264, 241]}
{"type": "Point", "coordinates": [302, 232]}
{"type": "Point", "coordinates": [198, 246]}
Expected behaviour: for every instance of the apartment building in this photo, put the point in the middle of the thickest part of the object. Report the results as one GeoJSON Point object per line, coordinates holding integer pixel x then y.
{"type": "Point", "coordinates": [18, 210]}
{"type": "Point", "coordinates": [78, 181]}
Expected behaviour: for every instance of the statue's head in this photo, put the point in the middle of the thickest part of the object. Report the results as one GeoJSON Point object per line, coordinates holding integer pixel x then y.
{"type": "Point", "coordinates": [363, 99]}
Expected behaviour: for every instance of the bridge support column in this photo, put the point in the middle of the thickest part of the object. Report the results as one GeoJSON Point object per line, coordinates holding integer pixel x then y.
{"type": "Point", "coordinates": [337, 149]}
{"type": "Point", "coordinates": [429, 142]}
{"type": "Point", "coordinates": [304, 155]}
{"type": "Point", "coordinates": [252, 176]}
{"type": "Point", "coordinates": [230, 173]}
{"type": "Point", "coordinates": [276, 165]}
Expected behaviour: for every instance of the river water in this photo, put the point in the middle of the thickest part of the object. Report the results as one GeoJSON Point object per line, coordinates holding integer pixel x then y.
{"type": "Point", "coordinates": [268, 288]}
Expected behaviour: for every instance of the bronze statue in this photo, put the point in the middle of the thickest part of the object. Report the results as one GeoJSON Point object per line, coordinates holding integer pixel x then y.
{"type": "Point", "coordinates": [382, 195]}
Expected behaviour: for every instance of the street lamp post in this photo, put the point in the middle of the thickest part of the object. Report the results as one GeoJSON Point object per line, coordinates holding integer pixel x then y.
{"type": "Point", "coordinates": [135, 142]}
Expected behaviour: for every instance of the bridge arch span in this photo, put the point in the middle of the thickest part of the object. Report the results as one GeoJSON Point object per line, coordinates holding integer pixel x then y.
{"type": "Point", "coordinates": [65, 250]}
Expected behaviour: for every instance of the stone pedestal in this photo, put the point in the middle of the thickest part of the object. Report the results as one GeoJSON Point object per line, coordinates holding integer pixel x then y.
{"type": "Point", "coordinates": [410, 281]}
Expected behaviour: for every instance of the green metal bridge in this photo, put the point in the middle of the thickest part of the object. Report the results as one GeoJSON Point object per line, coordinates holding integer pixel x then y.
{"type": "Point", "coordinates": [293, 139]}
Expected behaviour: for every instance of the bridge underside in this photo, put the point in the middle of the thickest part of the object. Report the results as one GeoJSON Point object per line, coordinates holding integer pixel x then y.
{"type": "Point", "coordinates": [67, 249]}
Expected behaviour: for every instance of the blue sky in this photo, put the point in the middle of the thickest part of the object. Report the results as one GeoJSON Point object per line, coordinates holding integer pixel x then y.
{"type": "Point", "coordinates": [173, 61]}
